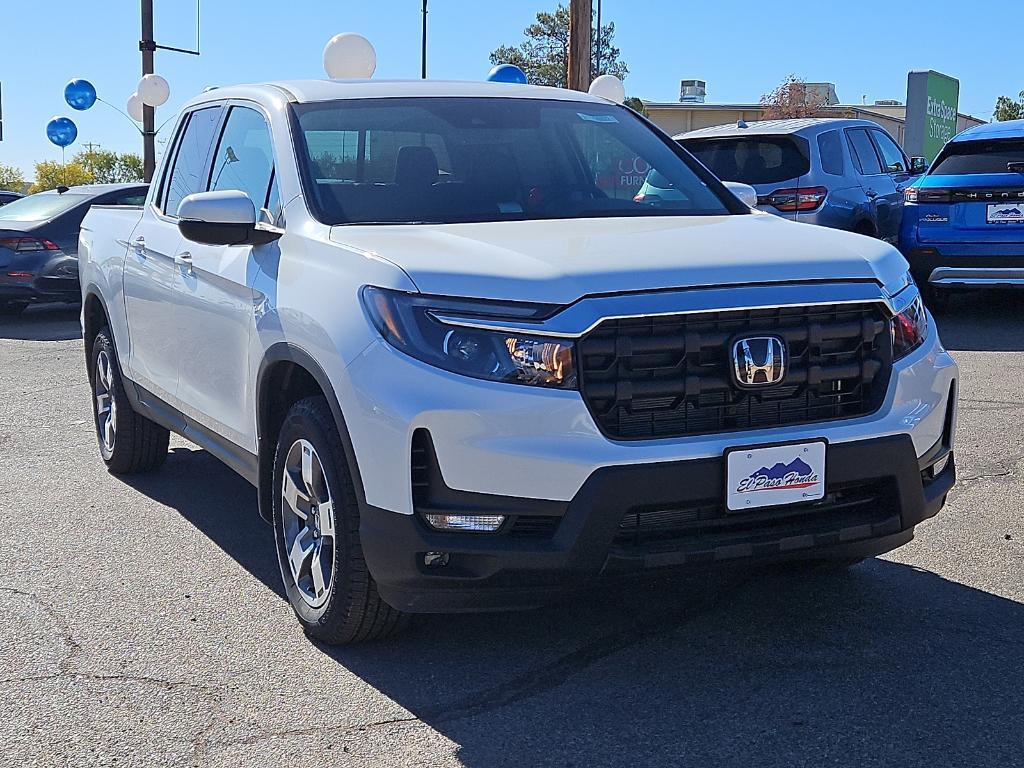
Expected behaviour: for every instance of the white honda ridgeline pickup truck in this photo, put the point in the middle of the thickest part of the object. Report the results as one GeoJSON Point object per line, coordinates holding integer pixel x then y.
{"type": "Point", "coordinates": [468, 368]}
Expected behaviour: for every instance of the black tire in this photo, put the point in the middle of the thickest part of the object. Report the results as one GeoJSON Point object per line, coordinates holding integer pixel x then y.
{"type": "Point", "coordinates": [352, 611]}
{"type": "Point", "coordinates": [11, 308]}
{"type": "Point", "coordinates": [137, 444]}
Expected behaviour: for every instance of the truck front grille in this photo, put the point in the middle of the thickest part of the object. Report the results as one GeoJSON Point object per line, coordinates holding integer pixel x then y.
{"type": "Point", "coordinates": [671, 376]}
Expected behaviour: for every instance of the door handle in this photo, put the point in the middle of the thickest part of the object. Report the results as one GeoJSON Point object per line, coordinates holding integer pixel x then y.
{"type": "Point", "coordinates": [184, 259]}
{"type": "Point", "coordinates": [139, 245]}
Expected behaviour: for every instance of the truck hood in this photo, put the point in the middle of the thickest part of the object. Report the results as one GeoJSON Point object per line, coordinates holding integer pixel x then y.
{"type": "Point", "coordinates": [560, 261]}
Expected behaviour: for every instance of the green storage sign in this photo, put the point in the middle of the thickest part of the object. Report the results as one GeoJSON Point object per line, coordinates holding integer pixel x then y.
{"type": "Point", "coordinates": [932, 107]}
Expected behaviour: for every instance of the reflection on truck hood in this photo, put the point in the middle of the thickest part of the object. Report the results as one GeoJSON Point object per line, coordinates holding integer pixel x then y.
{"type": "Point", "coordinates": [559, 261]}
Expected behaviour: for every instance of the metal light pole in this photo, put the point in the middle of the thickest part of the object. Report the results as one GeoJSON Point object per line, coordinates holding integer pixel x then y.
{"type": "Point", "coordinates": [423, 44]}
{"type": "Point", "coordinates": [148, 47]}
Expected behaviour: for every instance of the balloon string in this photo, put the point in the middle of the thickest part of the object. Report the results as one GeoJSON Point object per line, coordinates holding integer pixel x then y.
{"type": "Point", "coordinates": [63, 168]}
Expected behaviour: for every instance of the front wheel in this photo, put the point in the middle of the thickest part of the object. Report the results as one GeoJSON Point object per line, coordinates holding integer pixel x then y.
{"type": "Point", "coordinates": [129, 442]}
{"type": "Point", "coordinates": [316, 527]}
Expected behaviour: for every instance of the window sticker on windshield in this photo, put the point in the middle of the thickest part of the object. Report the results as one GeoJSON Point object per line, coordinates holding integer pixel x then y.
{"type": "Point", "coordinates": [598, 118]}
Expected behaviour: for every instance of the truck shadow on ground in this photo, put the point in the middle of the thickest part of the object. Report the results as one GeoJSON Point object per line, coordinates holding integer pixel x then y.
{"type": "Point", "coordinates": [883, 664]}
{"type": "Point", "coordinates": [990, 321]}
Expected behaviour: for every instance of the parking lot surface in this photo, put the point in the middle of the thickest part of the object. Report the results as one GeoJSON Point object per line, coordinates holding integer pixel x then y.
{"type": "Point", "coordinates": [142, 621]}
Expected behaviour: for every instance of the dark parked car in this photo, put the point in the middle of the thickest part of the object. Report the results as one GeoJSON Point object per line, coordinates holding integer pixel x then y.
{"type": "Point", "coordinates": [845, 174]}
{"type": "Point", "coordinates": [39, 241]}
{"type": "Point", "coordinates": [9, 197]}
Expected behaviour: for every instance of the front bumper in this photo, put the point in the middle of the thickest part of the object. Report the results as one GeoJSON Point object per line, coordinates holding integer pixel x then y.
{"type": "Point", "coordinates": [630, 519]}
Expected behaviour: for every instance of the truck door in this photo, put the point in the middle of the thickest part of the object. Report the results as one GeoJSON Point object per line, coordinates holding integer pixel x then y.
{"type": "Point", "coordinates": [217, 304]}
{"type": "Point", "coordinates": [150, 271]}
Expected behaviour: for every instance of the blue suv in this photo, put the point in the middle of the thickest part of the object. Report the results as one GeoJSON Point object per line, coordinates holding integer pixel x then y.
{"type": "Point", "coordinates": [963, 222]}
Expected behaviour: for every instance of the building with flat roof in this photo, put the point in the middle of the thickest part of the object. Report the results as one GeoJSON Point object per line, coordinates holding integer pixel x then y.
{"type": "Point", "coordinates": [680, 117]}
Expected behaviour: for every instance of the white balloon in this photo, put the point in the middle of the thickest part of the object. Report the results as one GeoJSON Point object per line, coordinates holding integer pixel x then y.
{"type": "Point", "coordinates": [153, 90]}
{"type": "Point", "coordinates": [349, 56]}
{"type": "Point", "coordinates": [135, 108]}
{"type": "Point", "coordinates": [608, 87]}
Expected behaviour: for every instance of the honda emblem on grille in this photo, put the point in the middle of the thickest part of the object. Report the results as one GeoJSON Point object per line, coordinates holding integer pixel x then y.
{"type": "Point", "coordinates": [759, 361]}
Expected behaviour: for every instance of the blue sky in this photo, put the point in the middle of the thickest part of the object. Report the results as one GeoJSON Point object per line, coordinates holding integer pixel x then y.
{"type": "Point", "coordinates": [741, 48]}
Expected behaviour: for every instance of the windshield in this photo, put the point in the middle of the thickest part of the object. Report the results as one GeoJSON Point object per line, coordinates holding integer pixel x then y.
{"type": "Point", "coordinates": [447, 160]}
{"type": "Point", "coordinates": [753, 160]}
{"type": "Point", "coordinates": [965, 157]}
{"type": "Point", "coordinates": [40, 207]}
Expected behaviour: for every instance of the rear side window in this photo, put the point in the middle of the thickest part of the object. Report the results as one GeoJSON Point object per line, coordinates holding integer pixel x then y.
{"type": "Point", "coordinates": [186, 176]}
{"type": "Point", "coordinates": [863, 150]}
{"type": "Point", "coordinates": [830, 151]}
{"type": "Point", "coordinates": [753, 160]}
{"type": "Point", "coordinates": [964, 157]}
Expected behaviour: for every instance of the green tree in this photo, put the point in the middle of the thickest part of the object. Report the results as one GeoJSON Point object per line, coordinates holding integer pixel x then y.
{"type": "Point", "coordinates": [50, 174]}
{"type": "Point", "coordinates": [1009, 109]}
{"type": "Point", "coordinates": [544, 55]}
{"type": "Point", "coordinates": [637, 105]}
{"type": "Point", "coordinates": [109, 167]}
{"type": "Point", "coordinates": [11, 178]}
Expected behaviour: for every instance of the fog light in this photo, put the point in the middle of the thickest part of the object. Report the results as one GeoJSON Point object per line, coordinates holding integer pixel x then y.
{"type": "Point", "coordinates": [485, 523]}
{"type": "Point", "coordinates": [940, 465]}
{"type": "Point", "coordinates": [435, 559]}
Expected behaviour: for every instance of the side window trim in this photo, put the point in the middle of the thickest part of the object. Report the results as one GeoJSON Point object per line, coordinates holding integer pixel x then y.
{"type": "Point", "coordinates": [204, 171]}
{"type": "Point", "coordinates": [227, 109]}
{"type": "Point", "coordinates": [871, 142]}
{"type": "Point", "coordinates": [875, 133]}
{"type": "Point", "coordinates": [160, 201]}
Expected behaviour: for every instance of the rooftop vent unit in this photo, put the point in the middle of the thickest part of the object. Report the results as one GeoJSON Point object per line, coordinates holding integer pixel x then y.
{"type": "Point", "coordinates": [692, 91]}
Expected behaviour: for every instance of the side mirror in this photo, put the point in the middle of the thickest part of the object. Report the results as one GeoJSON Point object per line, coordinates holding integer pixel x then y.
{"type": "Point", "coordinates": [918, 165]}
{"type": "Point", "coordinates": [227, 217]}
{"type": "Point", "coordinates": [746, 193]}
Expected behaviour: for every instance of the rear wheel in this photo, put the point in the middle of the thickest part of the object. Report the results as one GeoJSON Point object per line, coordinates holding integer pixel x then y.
{"type": "Point", "coordinates": [129, 442]}
{"type": "Point", "coordinates": [316, 526]}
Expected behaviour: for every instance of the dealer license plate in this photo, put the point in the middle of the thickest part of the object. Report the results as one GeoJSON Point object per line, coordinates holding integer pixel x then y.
{"type": "Point", "coordinates": [1005, 213]}
{"type": "Point", "coordinates": [778, 474]}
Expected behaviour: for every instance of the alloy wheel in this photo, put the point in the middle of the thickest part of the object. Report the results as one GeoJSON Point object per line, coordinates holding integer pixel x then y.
{"type": "Point", "coordinates": [106, 407]}
{"type": "Point", "coordinates": [307, 519]}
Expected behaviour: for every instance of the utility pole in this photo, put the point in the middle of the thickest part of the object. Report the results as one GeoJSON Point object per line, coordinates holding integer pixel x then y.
{"type": "Point", "coordinates": [580, 19]}
{"type": "Point", "coordinates": [597, 42]}
{"type": "Point", "coordinates": [90, 148]}
{"type": "Point", "coordinates": [423, 45]}
{"type": "Point", "coordinates": [148, 47]}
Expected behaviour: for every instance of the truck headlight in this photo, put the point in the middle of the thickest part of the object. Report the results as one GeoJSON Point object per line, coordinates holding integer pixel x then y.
{"type": "Point", "coordinates": [408, 322]}
{"type": "Point", "coordinates": [909, 329]}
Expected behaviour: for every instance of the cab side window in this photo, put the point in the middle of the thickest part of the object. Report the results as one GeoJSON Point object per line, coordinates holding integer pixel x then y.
{"type": "Point", "coordinates": [892, 155]}
{"type": "Point", "coordinates": [244, 159]}
{"type": "Point", "coordinates": [830, 150]}
{"type": "Point", "coordinates": [187, 174]}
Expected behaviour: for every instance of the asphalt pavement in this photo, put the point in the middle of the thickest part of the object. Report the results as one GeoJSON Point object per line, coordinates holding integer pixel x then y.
{"type": "Point", "coordinates": [142, 621]}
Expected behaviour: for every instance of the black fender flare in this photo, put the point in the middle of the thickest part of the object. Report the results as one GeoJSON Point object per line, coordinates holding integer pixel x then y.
{"type": "Point", "coordinates": [283, 351]}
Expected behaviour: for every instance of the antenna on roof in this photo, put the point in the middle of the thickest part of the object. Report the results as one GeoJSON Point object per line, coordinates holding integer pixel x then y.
{"type": "Point", "coordinates": [741, 123]}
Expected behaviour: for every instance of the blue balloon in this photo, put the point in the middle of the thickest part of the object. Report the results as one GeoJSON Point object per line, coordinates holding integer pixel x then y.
{"type": "Point", "coordinates": [62, 131]}
{"type": "Point", "coordinates": [80, 94]}
{"type": "Point", "coordinates": [507, 73]}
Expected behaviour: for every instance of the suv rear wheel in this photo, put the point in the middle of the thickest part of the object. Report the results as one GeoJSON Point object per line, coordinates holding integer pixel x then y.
{"type": "Point", "coordinates": [129, 442]}
{"type": "Point", "coordinates": [316, 527]}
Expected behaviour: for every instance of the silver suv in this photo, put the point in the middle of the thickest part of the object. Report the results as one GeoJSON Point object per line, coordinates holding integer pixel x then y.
{"type": "Point", "coordinates": [845, 174]}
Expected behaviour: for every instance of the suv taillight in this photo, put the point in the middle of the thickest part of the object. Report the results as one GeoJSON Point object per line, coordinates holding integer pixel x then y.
{"type": "Point", "coordinates": [28, 244]}
{"type": "Point", "coordinates": [797, 199]}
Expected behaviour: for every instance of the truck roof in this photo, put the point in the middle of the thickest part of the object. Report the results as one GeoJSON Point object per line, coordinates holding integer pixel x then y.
{"type": "Point", "coordinates": [304, 91]}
